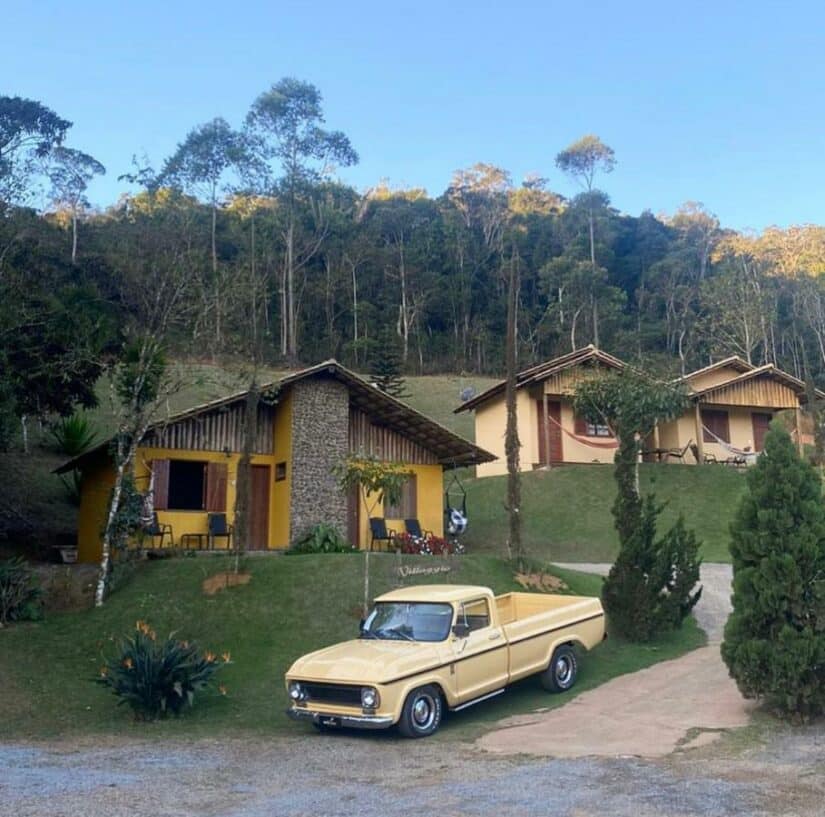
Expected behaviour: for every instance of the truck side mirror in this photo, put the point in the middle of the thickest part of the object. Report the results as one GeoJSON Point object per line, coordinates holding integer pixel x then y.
{"type": "Point", "coordinates": [461, 630]}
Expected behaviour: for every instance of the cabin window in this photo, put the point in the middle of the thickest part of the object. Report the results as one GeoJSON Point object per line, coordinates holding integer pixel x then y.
{"type": "Point", "coordinates": [715, 426]}
{"type": "Point", "coordinates": [585, 429]}
{"type": "Point", "coordinates": [407, 507]}
{"type": "Point", "coordinates": [280, 471]}
{"type": "Point", "coordinates": [475, 614]}
{"type": "Point", "coordinates": [187, 485]}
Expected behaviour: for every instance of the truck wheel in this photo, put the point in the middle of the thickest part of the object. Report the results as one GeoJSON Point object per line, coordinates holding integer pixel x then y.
{"type": "Point", "coordinates": [560, 675]}
{"type": "Point", "coordinates": [421, 715]}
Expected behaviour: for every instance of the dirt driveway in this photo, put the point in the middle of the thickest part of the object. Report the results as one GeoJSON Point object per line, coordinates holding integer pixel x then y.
{"type": "Point", "coordinates": [685, 702]}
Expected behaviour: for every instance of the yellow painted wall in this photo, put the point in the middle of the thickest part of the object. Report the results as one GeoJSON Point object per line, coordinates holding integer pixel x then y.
{"type": "Point", "coordinates": [575, 451]}
{"type": "Point", "coordinates": [95, 488]}
{"type": "Point", "coordinates": [712, 378]}
{"type": "Point", "coordinates": [280, 496]}
{"type": "Point", "coordinates": [430, 496]}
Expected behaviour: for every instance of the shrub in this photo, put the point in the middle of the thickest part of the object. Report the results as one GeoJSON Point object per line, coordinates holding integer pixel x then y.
{"type": "Point", "coordinates": [156, 677]}
{"type": "Point", "coordinates": [648, 589]}
{"type": "Point", "coordinates": [774, 643]}
{"type": "Point", "coordinates": [19, 592]}
{"type": "Point", "coordinates": [322, 538]}
{"type": "Point", "coordinates": [429, 546]}
{"type": "Point", "coordinates": [74, 435]}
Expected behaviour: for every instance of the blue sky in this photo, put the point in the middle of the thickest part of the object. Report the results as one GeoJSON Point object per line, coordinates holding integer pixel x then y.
{"type": "Point", "coordinates": [716, 102]}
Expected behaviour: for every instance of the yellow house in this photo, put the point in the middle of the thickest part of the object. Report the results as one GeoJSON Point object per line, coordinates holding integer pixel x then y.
{"type": "Point", "coordinates": [308, 422]}
{"type": "Point", "coordinates": [549, 431]}
{"type": "Point", "coordinates": [732, 405]}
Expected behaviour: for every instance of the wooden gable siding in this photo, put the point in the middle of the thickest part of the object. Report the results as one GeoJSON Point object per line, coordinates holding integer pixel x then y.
{"type": "Point", "coordinates": [565, 381]}
{"type": "Point", "coordinates": [214, 431]}
{"type": "Point", "coordinates": [761, 392]}
{"type": "Point", "coordinates": [373, 440]}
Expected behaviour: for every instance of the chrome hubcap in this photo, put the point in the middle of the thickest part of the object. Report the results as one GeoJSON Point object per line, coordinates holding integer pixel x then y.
{"type": "Point", "coordinates": [564, 669]}
{"type": "Point", "coordinates": [423, 711]}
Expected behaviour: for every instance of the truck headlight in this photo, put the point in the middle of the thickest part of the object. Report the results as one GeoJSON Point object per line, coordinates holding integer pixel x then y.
{"type": "Point", "coordinates": [370, 698]}
{"type": "Point", "coordinates": [296, 691]}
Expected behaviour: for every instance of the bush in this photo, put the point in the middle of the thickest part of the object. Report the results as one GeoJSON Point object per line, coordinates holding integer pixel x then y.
{"type": "Point", "coordinates": [155, 677]}
{"type": "Point", "coordinates": [774, 643]}
{"type": "Point", "coordinates": [322, 538]}
{"type": "Point", "coordinates": [74, 435]}
{"type": "Point", "coordinates": [19, 592]}
{"type": "Point", "coordinates": [648, 589]}
{"type": "Point", "coordinates": [429, 546]}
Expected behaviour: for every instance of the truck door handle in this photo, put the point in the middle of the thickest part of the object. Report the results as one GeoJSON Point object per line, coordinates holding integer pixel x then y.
{"type": "Point", "coordinates": [494, 636]}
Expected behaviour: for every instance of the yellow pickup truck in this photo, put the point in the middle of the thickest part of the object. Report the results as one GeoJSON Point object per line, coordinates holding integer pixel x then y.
{"type": "Point", "coordinates": [426, 648]}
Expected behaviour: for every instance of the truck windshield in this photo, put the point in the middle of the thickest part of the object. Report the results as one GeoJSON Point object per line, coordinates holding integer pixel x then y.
{"type": "Point", "coordinates": [408, 621]}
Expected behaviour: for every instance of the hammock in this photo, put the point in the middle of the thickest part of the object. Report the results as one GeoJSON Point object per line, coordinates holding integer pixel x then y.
{"type": "Point", "coordinates": [583, 440]}
{"type": "Point", "coordinates": [749, 456]}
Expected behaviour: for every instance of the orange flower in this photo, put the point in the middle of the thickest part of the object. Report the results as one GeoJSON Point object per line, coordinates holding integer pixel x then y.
{"type": "Point", "coordinates": [222, 689]}
{"type": "Point", "coordinates": [209, 657]}
{"type": "Point", "coordinates": [226, 657]}
{"type": "Point", "coordinates": [128, 663]}
{"type": "Point", "coordinates": [104, 672]}
{"type": "Point", "coordinates": [184, 644]}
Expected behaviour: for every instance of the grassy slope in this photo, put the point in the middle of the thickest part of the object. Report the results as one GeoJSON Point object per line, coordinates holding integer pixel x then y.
{"type": "Point", "coordinates": [46, 668]}
{"type": "Point", "coordinates": [566, 511]}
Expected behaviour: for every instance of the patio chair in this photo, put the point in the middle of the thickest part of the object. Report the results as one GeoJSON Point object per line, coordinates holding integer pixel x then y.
{"type": "Point", "coordinates": [217, 528]}
{"type": "Point", "coordinates": [708, 458]}
{"type": "Point", "coordinates": [154, 529]}
{"type": "Point", "coordinates": [678, 453]}
{"type": "Point", "coordinates": [413, 528]}
{"type": "Point", "coordinates": [379, 532]}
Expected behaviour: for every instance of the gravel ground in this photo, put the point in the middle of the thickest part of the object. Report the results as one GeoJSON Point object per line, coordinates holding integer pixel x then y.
{"type": "Point", "coordinates": [766, 770]}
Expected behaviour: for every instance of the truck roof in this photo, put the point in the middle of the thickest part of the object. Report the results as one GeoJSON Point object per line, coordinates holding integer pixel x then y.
{"type": "Point", "coordinates": [443, 593]}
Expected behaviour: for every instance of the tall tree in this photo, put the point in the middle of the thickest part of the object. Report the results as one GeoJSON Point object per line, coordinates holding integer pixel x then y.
{"type": "Point", "coordinates": [70, 172]}
{"type": "Point", "coordinates": [284, 127]}
{"type": "Point", "coordinates": [582, 160]}
{"type": "Point", "coordinates": [512, 444]}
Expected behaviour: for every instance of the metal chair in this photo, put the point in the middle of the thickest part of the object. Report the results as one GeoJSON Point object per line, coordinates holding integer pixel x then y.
{"type": "Point", "coordinates": [413, 528]}
{"type": "Point", "coordinates": [218, 528]}
{"type": "Point", "coordinates": [155, 528]}
{"type": "Point", "coordinates": [379, 532]}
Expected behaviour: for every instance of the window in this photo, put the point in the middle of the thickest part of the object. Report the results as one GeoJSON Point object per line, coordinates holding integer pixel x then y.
{"type": "Point", "coordinates": [187, 485]}
{"type": "Point", "coordinates": [475, 614]}
{"type": "Point", "coordinates": [280, 472]}
{"type": "Point", "coordinates": [715, 426]}
{"type": "Point", "coordinates": [406, 621]}
{"type": "Point", "coordinates": [407, 508]}
{"type": "Point", "coordinates": [585, 429]}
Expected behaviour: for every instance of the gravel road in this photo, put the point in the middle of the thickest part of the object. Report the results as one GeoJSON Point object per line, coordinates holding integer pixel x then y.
{"type": "Point", "coordinates": [768, 769]}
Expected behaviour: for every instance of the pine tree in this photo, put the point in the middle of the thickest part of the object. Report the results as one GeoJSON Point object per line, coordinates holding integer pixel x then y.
{"type": "Point", "coordinates": [774, 642]}
{"type": "Point", "coordinates": [387, 367]}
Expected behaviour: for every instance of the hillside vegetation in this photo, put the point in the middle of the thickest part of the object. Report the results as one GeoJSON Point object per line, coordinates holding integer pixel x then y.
{"type": "Point", "coordinates": [47, 669]}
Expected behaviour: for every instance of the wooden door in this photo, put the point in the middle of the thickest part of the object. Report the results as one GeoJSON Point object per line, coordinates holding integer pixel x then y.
{"type": "Point", "coordinates": [259, 508]}
{"type": "Point", "coordinates": [553, 432]}
{"type": "Point", "coordinates": [761, 424]}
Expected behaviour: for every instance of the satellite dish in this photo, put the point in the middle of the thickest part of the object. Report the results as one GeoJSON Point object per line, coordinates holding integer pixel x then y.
{"type": "Point", "coordinates": [467, 394]}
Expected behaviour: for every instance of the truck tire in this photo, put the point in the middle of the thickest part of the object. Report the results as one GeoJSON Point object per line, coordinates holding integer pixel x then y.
{"type": "Point", "coordinates": [421, 715]}
{"type": "Point", "coordinates": [561, 673]}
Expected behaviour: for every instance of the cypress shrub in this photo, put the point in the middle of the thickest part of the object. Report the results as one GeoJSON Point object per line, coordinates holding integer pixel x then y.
{"type": "Point", "coordinates": [774, 644]}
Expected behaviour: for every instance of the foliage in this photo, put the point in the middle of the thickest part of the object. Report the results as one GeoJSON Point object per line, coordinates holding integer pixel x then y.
{"type": "Point", "coordinates": [128, 518]}
{"type": "Point", "coordinates": [378, 481]}
{"type": "Point", "coordinates": [322, 538]}
{"type": "Point", "coordinates": [774, 643]}
{"type": "Point", "coordinates": [19, 592]}
{"type": "Point", "coordinates": [648, 589]}
{"type": "Point", "coordinates": [426, 546]}
{"type": "Point", "coordinates": [155, 678]}
{"type": "Point", "coordinates": [74, 434]}
{"type": "Point", "coordinates": [139, 373]}
{"type": "Point", "coordinates": [387, 366]}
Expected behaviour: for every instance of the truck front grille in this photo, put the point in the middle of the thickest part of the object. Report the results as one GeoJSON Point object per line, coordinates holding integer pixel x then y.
{"type": "Point", "coordinates": [343, 694]}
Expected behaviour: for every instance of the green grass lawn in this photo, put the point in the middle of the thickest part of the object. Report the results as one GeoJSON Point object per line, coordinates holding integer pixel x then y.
{"type": "Point", "coordinates": [566, 511]}
{"type": "Point", "coordinates": [292, 605]}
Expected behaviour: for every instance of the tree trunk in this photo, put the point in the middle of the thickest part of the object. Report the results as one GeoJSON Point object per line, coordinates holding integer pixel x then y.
{"type": "Point", "coordinates": [511, 438]}
{"type": "Point", "coordinates": [74, 236]}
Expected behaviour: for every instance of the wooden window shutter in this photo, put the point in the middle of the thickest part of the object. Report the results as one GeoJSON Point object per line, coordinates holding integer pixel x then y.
{"type": "Point", "coordinates": [580, 426]}
{"type": "Point", "coordinates": [216, 486]}
{"type": "Point", "coordinates": [412, 497]}
{"type": "Point", "coordinates": [160, 497]}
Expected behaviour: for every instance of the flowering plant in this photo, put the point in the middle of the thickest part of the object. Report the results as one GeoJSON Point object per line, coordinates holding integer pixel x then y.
{"type": "Point", "coordinates": [157, 677]}
{"type": "Point", "coordinates": [424, 546]}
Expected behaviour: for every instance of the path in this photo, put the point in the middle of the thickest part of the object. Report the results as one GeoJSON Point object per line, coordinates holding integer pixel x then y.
{"type": "Point", "coordinates": [679, 703]}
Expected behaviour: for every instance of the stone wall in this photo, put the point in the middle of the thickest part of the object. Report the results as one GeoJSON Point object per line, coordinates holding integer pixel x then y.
{"type": "Point", "coordinates": [320, 424]}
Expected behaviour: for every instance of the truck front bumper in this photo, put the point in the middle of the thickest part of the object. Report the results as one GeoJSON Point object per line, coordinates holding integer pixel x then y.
{"type": "Point", "coordinates": [331, 719]}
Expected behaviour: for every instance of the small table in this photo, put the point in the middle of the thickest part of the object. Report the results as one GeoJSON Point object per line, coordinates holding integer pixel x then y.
{"type": "Point", "coordinates": [187, 538]}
